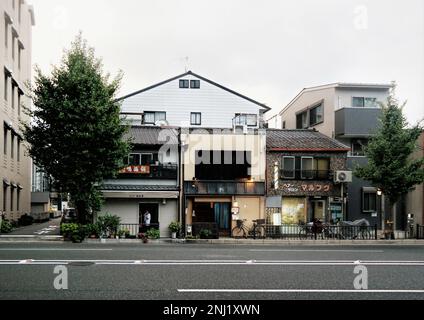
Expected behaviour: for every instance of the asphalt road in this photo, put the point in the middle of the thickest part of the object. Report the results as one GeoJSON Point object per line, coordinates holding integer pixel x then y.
{"type": "Point", "coordinates": [51, 227]}
{"type": "Point", "coordinates": [193, 272]}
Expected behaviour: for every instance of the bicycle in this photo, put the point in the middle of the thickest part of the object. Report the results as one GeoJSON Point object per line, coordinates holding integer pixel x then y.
{"type": "Point", "coordinates": [257, 231]}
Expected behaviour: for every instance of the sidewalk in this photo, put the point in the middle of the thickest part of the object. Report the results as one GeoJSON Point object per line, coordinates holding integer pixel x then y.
{"type": "Point", "coordinates": [46, 231]}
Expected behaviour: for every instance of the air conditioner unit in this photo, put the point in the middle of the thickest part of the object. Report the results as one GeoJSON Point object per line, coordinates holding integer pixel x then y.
{"type": "Point", "coordinates": [343, 176]}
{"type": "Point", "coordinates": [162, 123]}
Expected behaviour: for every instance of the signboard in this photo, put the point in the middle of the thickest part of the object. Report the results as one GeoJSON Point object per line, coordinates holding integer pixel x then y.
{"type": "Point", "coordinates": [336, 209]}
{"type": "Point", "coordinates": [136, 170]}
{"type": "Point", "coordinates": [316, 187]}
{"type": "Point", "coordinates": [235, 210]}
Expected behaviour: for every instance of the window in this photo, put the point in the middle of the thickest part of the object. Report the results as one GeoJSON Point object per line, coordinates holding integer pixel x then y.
{"type": "Point", "coordinates": [288, 168]}
{"type": "Point", "coordinates": [4, 197]}
{"type": "Point", "coordinates": [146, 158]}
{"type": "Point", "coordinates": [20, 49]}
{"type": "Point", "coordinates": [5, 140]}
{"type": "Point", "coordinates": [19, 10]}
{"type": "Point", "coordinates": [12, 146]}
{"type": "Point", "coordinates": [18, 199]}
{"type": "Point", "coordinates": [307, 167]}
{"type": "Point", "coordinates": [18, 150]}
{"type": "Point", "coordinates": [195, 84]}
{"type": "Point", "coordinates": [242, 119]}
{"type": "Point", "coordinates": [151, 117]}
{"type": "Point", "coordinates": [184, 84]}
{"type": "Point", "coordinates": [6, 82]}
{"type": "Point", "coordinates": [302, 120]}
{"type": "Point", "coordinates": [12, 191]}
{"type": "Point", "coordinates": [19, 103]}
{"type": "Point", "coordinates": [13, 95]}
{"type": "Point", "coordinates": [316, 115]}
{"type": "Point", "coordinates": [360, 102]}
{"type": "Point", "coordinates": [195, 118]}
{"type": "Point", "coordinates": [369, 201]}
{"type": "Point", "coordinates": [134, 159]}
{"type": "Point", "coordinates": [6, 32]}
{"type": "Point", "coordinates": [358, 147]}
{"type": "Point", "coordinates": [13, 46]}
{"type": "Point", "coordinates": [322, 167]}
{"type": "Point", "coordinates": [283, 126]}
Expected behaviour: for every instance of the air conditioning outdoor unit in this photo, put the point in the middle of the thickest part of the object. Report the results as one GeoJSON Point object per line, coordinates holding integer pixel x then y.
{"type": "Point", "coordinates": [343, 176]}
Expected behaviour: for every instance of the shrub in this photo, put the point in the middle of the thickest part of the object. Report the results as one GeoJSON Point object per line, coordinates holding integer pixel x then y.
{"type": "Point", "coordinates": [205, 233]}
{"type": "Point", "coordinates": [73, 231]}
{"type": "Point", "coordinates": [174, 226]}
{"type": "Point", "coordinates": [153, 234]}
{"type": "Point", "coordinates": [92, 230]}
{"type": "Point", "coordinates": [6, 227]}
{"type": "Point", "coordinates": [26, 220]}
{"type": "Point", "coordinates": [108, 224]}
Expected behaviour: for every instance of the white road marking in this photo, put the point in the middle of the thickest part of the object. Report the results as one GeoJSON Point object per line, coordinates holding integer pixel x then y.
{"type": "Point", "coordinates": [296, 291]}
{"type": "Point", "coordinates": [51, 249]}
{"type": "Point", "coordinates": [314, 250]}
{"type": "Point", "coordinates": [222, 262]}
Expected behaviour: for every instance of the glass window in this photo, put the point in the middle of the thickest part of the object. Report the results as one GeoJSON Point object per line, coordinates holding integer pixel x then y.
{"type": "Point", "coordinates": [370, 102]}
{"type": "Point", "coordinates": [195, 84]}
{"type": "Point", "coordinates": [307, 168]}
{"type": "Point", "coordinates": [12, 145]}
{"type": "Point", "coordinates": [358, 148]}
{"type": "Point", "coordinates": [5, 140]}
{"type": "Point", "coordinates": [288, 167]}
{"type": "Point", "coordinates": [196, 118]}
{"type": "Point", "coordinates": [6, 80]}
{"type": "Point", "coordinates": [4, 197]}
{"type": "Point", "coordinates": [160, 116]}
{"type": "Point", "coordinates": [18, 199]}
{"type": "Point", "coordinates": [322, 167]}
{"type": "Point", "coordinates": [302, 120]}
{"type": "Point", "coordinates": [369, 201]}
{"type": "Point", "coordinates": [6, 26]}
{"type": "Point", "coordinates": [358, 102]}
{"type": "Point", "coordinates": [18, 150]}
{"type": "Point", "coordinates": [146, 158]}
{"type": "Point", "coordinates": [134, 159]}
{"type": "Point", "coordinates": [184, 84]}
{"type": "Point", "coordinates": [150, 117]}
{"type": "Point", "coordinates": [293, 210]}
{"type": "Point", "coordinates": [11, 198]}
{"type": "Point", "coordinates": [283, 126]}
{"type": "Point", "coordinates": [316, 115]}
{"type": "Point", "coordinates": [250, 120]}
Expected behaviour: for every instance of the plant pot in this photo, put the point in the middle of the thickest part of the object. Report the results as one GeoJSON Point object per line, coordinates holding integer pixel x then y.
{"type": "Point", "coordinates": [145, 240]}
{"type": "Point", "coordinates": [174, 235]}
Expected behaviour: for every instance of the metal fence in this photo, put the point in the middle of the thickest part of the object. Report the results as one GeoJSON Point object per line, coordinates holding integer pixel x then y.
{"type": "Point", "coordinates": [420, 231]}
{"type": "Point", "coordinates": [135, 228]}
{"type": "Point", "coordinates": [336, 232]}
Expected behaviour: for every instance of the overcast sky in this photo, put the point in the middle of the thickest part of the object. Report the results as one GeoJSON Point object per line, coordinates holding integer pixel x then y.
{"type": "Point", "coordinates": [268, 50]}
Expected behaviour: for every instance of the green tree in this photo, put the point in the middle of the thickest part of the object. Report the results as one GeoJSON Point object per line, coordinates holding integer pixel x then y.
{"type": "Point", "coordinates": [390, 165]}
{"type": "Point", "coordinates": [76, 135]}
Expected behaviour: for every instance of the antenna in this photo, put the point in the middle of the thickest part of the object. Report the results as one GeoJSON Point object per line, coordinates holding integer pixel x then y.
{"type": "Point", "coordinates": [186, 63]}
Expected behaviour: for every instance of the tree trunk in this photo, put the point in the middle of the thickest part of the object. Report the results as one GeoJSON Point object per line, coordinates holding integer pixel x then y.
{"type": "Point", "coordinates": [390, 227]}
{"type": "Point", "coordinates": [81, 208]}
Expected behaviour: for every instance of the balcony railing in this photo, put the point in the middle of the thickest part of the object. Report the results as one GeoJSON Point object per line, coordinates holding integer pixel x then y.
{"type": "Point", "coordinates": [151, 171]}
{"type": "Point", "coordinates": [306, 175]}
{"type": "Point", "coordinates": [210, 187]}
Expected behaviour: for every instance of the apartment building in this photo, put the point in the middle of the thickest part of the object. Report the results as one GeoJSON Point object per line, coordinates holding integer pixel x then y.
{"type": "Point", "coordinates": [15, 62]}
{"type": "Point", "coordinates": [178, 126]}
{"type": "Point", "coordinates": [348, 112]}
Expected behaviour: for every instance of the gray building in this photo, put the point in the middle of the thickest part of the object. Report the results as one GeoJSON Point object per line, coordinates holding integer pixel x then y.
{"type": "Point", "coordinates": [348, 112]}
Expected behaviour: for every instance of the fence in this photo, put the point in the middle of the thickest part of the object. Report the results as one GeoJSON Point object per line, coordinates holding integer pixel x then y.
{"type": "Point", "coordinates": [420, 231]}
{"type": "Point", "coordinates": [337, 232]}
{"type": "Point", "coordinates": [135, 228]}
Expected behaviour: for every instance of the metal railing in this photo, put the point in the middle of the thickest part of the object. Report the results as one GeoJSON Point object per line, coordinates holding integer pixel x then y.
{"type": "Point", "coordinates": [420, 231]}
{"type": "Point", "coordinates": [336, 232]}
{"type": "Point", "coordinates": [135, 228]}
{"type": "Point", "coordinates": [306, 174]}
{"type": "Point", "coordinates": [209, 187]}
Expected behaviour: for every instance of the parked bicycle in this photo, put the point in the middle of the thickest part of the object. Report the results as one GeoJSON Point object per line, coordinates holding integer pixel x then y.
{"type": "Point", "coordinates": [256, 231]}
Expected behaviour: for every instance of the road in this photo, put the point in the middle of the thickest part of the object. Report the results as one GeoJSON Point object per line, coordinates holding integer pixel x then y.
{"type": "Point", "coordinates": [197, 271]}
{"type": "Point", "coordinates": [51, 227]}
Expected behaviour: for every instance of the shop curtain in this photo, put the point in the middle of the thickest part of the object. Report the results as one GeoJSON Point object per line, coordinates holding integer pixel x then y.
{"type": "Point", "coordinates": [222, 215]}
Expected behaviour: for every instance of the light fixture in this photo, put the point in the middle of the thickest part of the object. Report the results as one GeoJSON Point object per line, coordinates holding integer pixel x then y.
{"type": "Point", "coordinates": [379, 192]}
{"type": "Point", "coordinates": [164, 201]}
{"type": "Point", "coordinates": [235, 204]}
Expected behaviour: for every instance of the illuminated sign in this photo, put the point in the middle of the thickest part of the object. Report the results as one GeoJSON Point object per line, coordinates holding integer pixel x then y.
{"type": "Point", "coordinates": [136, 170]}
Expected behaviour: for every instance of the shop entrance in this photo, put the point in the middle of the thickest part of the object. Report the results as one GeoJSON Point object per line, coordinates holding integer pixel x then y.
{"type": "Point", "coordinates": [153, 209]}
{"type": "Point", "coordinates": [218, 213]}
{"type": "Point", "coordinates": [318, 209]}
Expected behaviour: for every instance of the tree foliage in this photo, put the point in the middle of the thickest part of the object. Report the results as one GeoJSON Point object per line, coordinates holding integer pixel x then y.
{"type": "Point", "coordinates": [76, 135]}
{"type": "Point", "coordinates": [390, 165]}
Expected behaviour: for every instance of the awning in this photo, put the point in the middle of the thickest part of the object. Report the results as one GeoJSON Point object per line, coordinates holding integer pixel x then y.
{"type": "Point", "coordinates": [369, 189]}
{"type": "Point", "coordinates": [140, 194]}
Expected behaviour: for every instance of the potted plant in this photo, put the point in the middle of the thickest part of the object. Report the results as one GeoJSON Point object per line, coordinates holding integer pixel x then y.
{"type": "Point", "coordinates": [174, 227]}
{"type": "Point", "coordinates": [205, 234]}
{"type": "Point", "coordinates": [143, 237]}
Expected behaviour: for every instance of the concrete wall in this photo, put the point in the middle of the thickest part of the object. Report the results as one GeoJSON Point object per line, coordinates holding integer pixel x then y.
{"type": "Point", "coordinates": [128, 211]}
{"type": "Point", "coordinates": [11, 169]}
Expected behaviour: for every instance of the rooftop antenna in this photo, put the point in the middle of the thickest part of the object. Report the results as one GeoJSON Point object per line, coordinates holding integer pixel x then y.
{"type": "Point", "coordinates": [186, 63]}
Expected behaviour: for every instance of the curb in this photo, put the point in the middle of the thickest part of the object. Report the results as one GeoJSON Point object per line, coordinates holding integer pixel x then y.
{"type": "Point", "coordinates": [29, 238]}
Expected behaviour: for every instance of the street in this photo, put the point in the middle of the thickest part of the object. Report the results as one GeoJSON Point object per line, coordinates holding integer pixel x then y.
{"type": "Point", "coordinates": [193, 272]}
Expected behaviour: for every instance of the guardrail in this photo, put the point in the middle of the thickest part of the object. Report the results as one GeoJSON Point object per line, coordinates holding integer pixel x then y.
{"type": "Point", "coordinates": [135, 228]}
{"type": "Point", "coordinates": [420, 231]}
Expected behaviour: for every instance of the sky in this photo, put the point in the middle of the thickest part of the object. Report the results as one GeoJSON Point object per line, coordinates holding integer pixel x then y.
{"type": "Point", "coordinates": [267, 50]}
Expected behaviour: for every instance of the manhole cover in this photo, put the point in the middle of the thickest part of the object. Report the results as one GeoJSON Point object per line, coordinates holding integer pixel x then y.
{"type": "Point", "coordinates": [80, 263]}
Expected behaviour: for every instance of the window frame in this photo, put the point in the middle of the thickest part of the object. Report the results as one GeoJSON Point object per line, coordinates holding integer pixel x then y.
{"type": "Point", "coordinates": [368, 210]}
{"type": "Point", "coordinates": [184, 84]}
{"type": "Point", "coordinates": [293, 169]}
{"type": "Point", "coordinates": [195, 114]}
{"type": "Point", "coordinates": [301, 167]}
{"type": "Point", "coordinates": [195, 84]}
{"type": "Point", "coordinates": [315, 107]}
{"type": "Point", "coordinates": [239, 116]}
{"type": "Point", "coordinates": [304, 120]}
{"type": "Point", "coordinates": [155, 113]}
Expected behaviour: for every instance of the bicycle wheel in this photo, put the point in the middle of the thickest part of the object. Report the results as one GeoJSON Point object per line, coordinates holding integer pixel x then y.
{"type": "Point", "coordinates": [302, 234]}
{"type": "Point", "coordinates": [260, 232]}
{"type": "Point", "coordinates": [238, 232]}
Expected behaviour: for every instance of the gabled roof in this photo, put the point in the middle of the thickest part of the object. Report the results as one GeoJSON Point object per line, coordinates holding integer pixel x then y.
{"type": "Point", "coordinates": [378, 86]}
{"type": "Point", "coordinates": [201, 78]}
{"type": "Point", "coordinates": [302, 141]}
{"type": "Point", "coordinates": [149, 135]}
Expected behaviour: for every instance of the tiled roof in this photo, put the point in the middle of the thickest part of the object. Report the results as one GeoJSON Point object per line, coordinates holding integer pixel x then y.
{"type": "Point", "coordinates": [152, 135]}
{"type": "Point", "coordinates": [128, 187]}
{"type": "Point", "coordinates": [301, 140]}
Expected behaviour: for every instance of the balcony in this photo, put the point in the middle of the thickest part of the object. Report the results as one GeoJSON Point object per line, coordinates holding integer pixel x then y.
{"type": "Point", "coordinates": [150, 171]}
{"type": "Point", "coordinates": [306, 175]}
{"type": "Point", "coordinates": [356, 122]}
{"type": "Point", "coordinates": [226, 188]}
